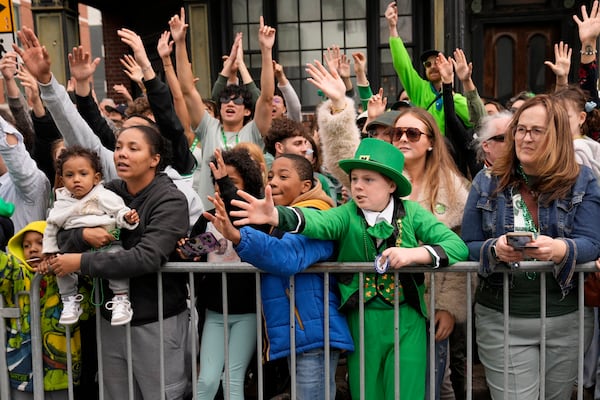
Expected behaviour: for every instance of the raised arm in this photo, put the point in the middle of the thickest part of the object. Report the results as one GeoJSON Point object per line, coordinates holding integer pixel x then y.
{"type": "Point", "coordinates": [362, 83]}
{"type": "Point", "coordinates": [193, 99]}
{"type": "Point", "coordinates": [82, 69]}
{"type": "Point", "coordinates": [71, 125]}
{"type": "Point", "coordinates": [337, 119]}
{"type": "Point", "coordinates": [589, 30]}
{"type": "Point", "coordinates": [464, 72]}
{"type": "Point", "coordinates": [292, 102]}
{"type": "Point", "coordinates": [165, 48]}
{"type": "Point", "coordinates": [162, 107]}
{"type": "Point", "coordinates": [264, 104]}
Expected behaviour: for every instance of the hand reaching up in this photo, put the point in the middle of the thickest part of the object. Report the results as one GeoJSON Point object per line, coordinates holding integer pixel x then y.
{"type": "Point", "coordinates": [266, 35]}
{"type": "Point", "coordinates": [562, 62]}
{"type": "Point", "coordinates": [81, 65]}
{"type": "Point", "coordinates": [34, 55]}
{"type": "Point", "coordinates": [329, 81]}
{"type": "Point", "coordinates": [178, 26]}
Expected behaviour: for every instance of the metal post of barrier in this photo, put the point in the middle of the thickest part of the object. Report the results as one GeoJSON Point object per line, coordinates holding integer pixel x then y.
{"type": "Point", "coordinates": [36, 338]}
{"type": "Point", "coordinates": [98, 302]}
{"type": "Point", "coordinates": [292, 296]}
{"type": "Point", "coordinates": [194, 338]}
{"type": "Point", "coordinates": [327, 349]}
{"type": "Point", "coordinates": [505, 303]}
{"type": "Point", "coordinates": [396, 335]}
{"type": "Point", "coordinates": [161, 324]}
{"type": "Point", "coordinates": [431, 341]}
{"type": "Point", "coordinates": [580, 348]}
{"type": "Point", "coordinates": [469, 306]}
{"type": "Point", "coordinates": [259, 347]}
{"type": "Point", "coordinates": [225, 303]}
{"type": "Point", "coordinates": [542, 335]}
{"type": "Point", "coordinates": [5, 312]}
{"type": "Point", "coordinates": [361, 340]}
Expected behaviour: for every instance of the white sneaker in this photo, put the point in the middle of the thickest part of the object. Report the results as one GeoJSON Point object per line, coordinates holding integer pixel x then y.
{"type": "Point", "coordinates": [121, 310]}
{"type": "Point", "coordinates": [71, 310]}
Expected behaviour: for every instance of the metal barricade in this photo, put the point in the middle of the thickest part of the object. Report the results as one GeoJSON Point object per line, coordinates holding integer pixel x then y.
{"type": "Point", "coordinates": [326, 269]}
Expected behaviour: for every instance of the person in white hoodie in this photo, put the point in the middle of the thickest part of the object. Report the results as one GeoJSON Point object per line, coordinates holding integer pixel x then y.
{"type": "Point", "coordinates": [83, 202]}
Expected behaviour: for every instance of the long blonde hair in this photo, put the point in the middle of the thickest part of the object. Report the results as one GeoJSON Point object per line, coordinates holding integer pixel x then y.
{"type": "Point", "coordinates": [557, 169]}
{"type": "Point", "coordinates": [440, 169]}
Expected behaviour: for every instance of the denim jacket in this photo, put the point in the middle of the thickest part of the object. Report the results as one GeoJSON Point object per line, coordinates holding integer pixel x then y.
{"type": "Point", "coordinates": [574, 219]}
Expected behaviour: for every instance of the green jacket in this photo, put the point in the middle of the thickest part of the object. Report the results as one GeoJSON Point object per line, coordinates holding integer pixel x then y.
{"type": "Point", "coordinates": [347, 226]}
{"type": "Point", "coordinates": [420, 91]}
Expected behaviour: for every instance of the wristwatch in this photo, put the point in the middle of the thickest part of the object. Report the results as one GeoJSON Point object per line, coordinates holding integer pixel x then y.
{"type": "Point", "coordinates": [493, 252]}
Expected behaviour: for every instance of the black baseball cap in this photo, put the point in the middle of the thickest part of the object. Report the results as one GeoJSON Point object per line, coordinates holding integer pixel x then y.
{"type": "Point", "coordinates": [428, 53]}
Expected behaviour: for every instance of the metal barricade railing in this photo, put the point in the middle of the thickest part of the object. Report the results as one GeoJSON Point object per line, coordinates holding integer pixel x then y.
{"type": "Point", "coordinates": [326, 269]}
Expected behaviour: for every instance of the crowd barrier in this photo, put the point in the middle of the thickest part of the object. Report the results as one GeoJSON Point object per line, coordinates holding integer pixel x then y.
{"type": "Point", "coordinates": [326, 269]}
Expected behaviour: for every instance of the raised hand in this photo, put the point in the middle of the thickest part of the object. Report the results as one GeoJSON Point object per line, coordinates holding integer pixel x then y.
{"type": "Point", "coordinates": [164, 46]}
{"type": "Point", "coordinates": [332, 57]}
{"type": "Point", "coordinates": [178, 26]}
{"type": "Point", "coordinates": [133, 40]}
{"type": "Point", "coordinates": [30, 84]}
{"type": "Point", "coordinates": [377, 105]}
{"type": "Point", "coordinates": [123, 91]}
{"type": "Point", "coordinates": [8, 65]}
{"type": "Point", "coordinates": [588, 25]}
{"type": "Point", "coordinates": [266, 35]}
{"type": "Point", "coordinates": [344, 66]}
{"type": "Point", "coordinates": [218, 166]}
{"type": "Point", "coordinates": [34, 55]}
{"type": "Point", "coordinates": [255, 211]}
{"type": "Point", "coordinates": [391, 15]}
{"type": "Point", "coordinates": [132, 69]}
{"type": "Point", "coordinates": [562, 62]}
{"type": "Point", "coordinates": [360, 68]}
{"type": "Point", "coordinates": [81, 65]}
{"type": "Point", "coordinates": [329, 81]}
{"type": "Point", "coordinates": [463, 69]}
{"type": "Point", "coordinates": [446, 68]}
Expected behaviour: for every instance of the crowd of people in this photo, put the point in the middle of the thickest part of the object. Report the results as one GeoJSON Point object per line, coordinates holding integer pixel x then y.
{"type": "Point", "coordinates": [97, 197]}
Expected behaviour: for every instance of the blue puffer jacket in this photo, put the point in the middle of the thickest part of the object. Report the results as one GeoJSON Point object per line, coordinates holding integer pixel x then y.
{"type": "Point", "coordinates": [282, 258]}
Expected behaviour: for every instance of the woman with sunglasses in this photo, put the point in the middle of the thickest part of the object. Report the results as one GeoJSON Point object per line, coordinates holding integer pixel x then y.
{"type": "Point", "coordinates": [535, 189]}
{"type": "Point", "coordinates": [491, 137]}
{"type": "Point", "coordinates": [436, 183]}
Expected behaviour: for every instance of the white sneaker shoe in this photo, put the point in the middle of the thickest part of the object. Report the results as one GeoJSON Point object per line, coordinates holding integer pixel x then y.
{"type": "Point", "coordinates": [121, 310]}
{"type": "Point", "coordinates": [71, 311]}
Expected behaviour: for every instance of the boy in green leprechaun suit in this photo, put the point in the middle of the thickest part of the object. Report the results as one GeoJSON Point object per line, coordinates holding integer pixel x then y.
{"type": "Point", "coordinates": [375, 222]}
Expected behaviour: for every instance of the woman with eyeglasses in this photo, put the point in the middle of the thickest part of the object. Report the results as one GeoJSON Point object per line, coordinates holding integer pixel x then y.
{"type": "Point", "coordinates": [534, 203]}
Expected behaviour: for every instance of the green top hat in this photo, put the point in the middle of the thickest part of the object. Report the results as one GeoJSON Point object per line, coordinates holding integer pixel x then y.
{"type": "Point", "coordinates": [379, 156]}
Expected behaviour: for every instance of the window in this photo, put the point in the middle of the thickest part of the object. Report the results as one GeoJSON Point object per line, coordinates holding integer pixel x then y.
{"type": "Point", "coordinates": [305, 28]}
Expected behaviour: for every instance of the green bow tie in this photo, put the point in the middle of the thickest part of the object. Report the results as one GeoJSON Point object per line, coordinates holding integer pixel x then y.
{"type": "Point", "coordinates": [381, 230]}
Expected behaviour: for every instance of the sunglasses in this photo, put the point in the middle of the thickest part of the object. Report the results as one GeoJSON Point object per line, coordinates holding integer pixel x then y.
{"type": "Point", "coordinates": [497, 138]}
{"type": "Point", "coordinates": [412, 134]}
{"type": "Point", "coordinates": [238, 100]}
{"type": "Point", "coordinates": [429, 64]}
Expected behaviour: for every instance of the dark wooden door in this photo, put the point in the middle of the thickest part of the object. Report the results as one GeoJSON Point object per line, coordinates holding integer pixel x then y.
{"type": "Point", "coordinates": [514, 56]}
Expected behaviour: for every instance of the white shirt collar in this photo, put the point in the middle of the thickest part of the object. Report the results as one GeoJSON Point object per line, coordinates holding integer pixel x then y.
{"type": "Point", "coordinates": [387, 214]}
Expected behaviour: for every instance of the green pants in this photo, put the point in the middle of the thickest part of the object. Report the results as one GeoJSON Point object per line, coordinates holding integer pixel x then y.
{"type": "Point", "coordinates": [379, 353]}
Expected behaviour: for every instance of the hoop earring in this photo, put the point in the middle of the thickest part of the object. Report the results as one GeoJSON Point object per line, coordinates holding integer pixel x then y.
{"type": "Point", "coordinates": [429, 149]}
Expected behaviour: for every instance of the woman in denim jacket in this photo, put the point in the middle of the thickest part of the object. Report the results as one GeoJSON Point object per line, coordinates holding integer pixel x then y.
{"type": "Point", "coordinates": [537, 187]}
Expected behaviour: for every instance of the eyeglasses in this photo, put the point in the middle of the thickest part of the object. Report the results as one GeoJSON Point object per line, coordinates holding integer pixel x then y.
{"type": "Point", "coordinates": [497, 138]}
{"type": "Point", "coordinates": [412, 134]}
{"type": "Point", "coordinates": [534, 132]}
{"type": "Point", "coordinates": [238, 100]}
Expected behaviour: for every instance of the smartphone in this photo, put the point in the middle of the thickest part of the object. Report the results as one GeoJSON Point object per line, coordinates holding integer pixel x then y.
{"type": "Point", "coordinates": [520, 240]}
{"type": "Point", "coordinates": [199, 245]}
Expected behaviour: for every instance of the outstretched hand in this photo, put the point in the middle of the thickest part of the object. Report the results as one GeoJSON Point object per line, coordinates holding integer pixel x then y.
{"type": "Point", "coordinates": [8, 65]}
{"type": "Point", "coordinates": [376, 105]}
{"type": "Point", "coordinates": [446, 68]}
{"type": "Point", "coordinates": [132, 69]}
{"type": "Point", "coordinates": [266, 35]}
{"type": "Point", "coordinates": [562, 60]}
{"type": "Point", "coordinates": [81, 65]}
{"type": "Point", "coordinates": [588, 25]}
{"type": "Point", "coordinates": [329, 81]}
{"type": "Point", "coordinates": [221, 220]}
{"type": "Point", "coordinates": [178, 26]}
{"type": "Point", "coordinates": [164, 46]}
{"type": "Point", "coordinates": [255, 211]}
{"type": "Point", "coordinates": [218, 170]}
{"type": "Point", "coordinates": [463, 69]}
{"type": "Point", "coordinates": [34, 55]}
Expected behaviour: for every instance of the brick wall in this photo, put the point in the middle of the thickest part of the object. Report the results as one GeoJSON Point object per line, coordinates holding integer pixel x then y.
{"type": "Point", "coordinates": [113, 51]}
